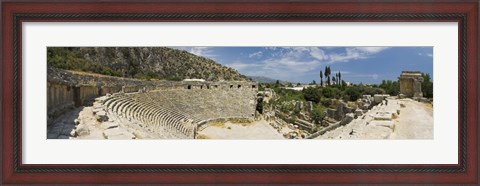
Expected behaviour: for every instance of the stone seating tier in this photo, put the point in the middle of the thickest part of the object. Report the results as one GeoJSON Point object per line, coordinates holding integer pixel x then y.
{"type": "Point", "coordinates": [180, 111]}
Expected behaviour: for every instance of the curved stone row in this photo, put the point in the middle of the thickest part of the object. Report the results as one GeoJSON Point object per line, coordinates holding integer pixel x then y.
{"type": "Point", "coordinates": [139, 107]}
{"type": "Point", "coordinates": [180, 111]}
{"type": "Point", "coordinates": [207, 104]}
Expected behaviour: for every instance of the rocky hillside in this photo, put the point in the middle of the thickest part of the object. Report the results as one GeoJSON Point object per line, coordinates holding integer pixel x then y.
{"type": "Point", "coordinates": [140, 62]}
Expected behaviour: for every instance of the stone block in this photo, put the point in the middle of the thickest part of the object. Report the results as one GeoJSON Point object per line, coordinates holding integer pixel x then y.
{"type": "Point", "coordinates": [383, 116]}
{"type": "Point", "coordinates": [347, 119]}
{"type": "Point", "coordinates": [366, 97]}
{"type": "Point", "coordinates": [73, 133]}
{"type": "Point", "coordinates": [423, 100]}
{"type": "Point", "coordinates": [82, 130]}
{"type": "Point", "coordinates": [384, 123]}
{"type": "Point", "coordinates": [378, 98]}
{"type": "Point", "coordinates": [359, 112]}
{"type": "Point", "coordinates": [108, 125]}
{"type": "Point", "coordinates": [101, 116]}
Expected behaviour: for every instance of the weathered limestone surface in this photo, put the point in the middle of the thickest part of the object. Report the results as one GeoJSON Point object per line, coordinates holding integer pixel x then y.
{"type": "Point", "coordinates": [411, 84]}
{"type": "Point", "coordinates": [384, 121]}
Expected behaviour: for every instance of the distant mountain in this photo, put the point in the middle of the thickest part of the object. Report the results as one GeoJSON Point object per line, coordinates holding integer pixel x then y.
{"type": "Point", "coordinates": [263, 79]}
{"type": "Point", "coordinates": [141, 63]}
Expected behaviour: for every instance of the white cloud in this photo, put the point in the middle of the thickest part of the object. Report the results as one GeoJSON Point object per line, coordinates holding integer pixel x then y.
{"type": "Point", "coordinates": [355, 75]}
{"type": "Point", "coordinates": [355, 53]}
{"type": "Point", "coordinates": [318, 53]}
{"type": "Point", "coordinates": [372, 49]}
{"type": "Point", "coordinates": [350, 54]}
{"type": "Point", "coordinates": [241, 66]}
{"type": "Point", "coordinates": [199, 51]}
{"type": "Point", "coordinates": [425, 54]}
{"type": "Point", "coordinates": [256, 54]}
{"type": "Point", "coordinates": [202, 51]}
{"type": "Point", "coordinates": [291, 61]}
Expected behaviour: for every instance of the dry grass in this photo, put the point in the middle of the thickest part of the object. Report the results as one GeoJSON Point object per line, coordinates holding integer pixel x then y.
{"type": "Point", "coordinates": [352, 104]}
{"type": "Point", "coordinates": [88, 73]}
{"type": "Point", "coordinates": [217, 124]}
{"type": "Point", "coordinates": [201, 136]}
{"type": "Point", "coordinates": [240, 120]}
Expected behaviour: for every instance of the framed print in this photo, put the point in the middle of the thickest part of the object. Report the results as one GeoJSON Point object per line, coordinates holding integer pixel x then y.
{"type": "Point", "coordinates": [253, 92]}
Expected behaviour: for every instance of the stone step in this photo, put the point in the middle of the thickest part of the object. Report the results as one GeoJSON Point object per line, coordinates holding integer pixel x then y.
{"type": "Point", "coordinates": [384, 123]}
{"type": "Point", "coordinates": [108, 125]}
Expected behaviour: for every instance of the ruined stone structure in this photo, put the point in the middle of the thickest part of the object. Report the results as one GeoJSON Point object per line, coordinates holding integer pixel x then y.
{"type": "Point", "coordinates": [181, 111]}
{"type": "Point", "coordinates": [339, 113]}
{"type": "Point", "coordinates": [174, 107]}
{"type": "Point", "coordinates": [411, 83]}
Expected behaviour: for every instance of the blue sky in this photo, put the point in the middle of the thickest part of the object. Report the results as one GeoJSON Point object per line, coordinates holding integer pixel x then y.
{"type": "Point", "coordinates": [303, 64]}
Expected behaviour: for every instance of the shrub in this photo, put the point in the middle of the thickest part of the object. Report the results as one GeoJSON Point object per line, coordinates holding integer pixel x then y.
{"type": "Point", "coordinates": [312, 94]}
{"type": "Point", "coordinates": [318, 113]}
{"type": "Point", "coordinates": [326, 102]}
{"type": "Point", "coordinates": [352, 94]}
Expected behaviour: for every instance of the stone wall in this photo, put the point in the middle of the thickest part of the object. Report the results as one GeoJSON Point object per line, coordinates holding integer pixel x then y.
{"type": "Point", "coordinates": [104, 90]}
{"type": "Point", "coordinates": [59, 97]}
{"type": "Point", "coordinates": [86, 95]}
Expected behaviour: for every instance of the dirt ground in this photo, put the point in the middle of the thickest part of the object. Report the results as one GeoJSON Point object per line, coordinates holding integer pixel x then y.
{"type": "Point", "coordinates": [255, 130]}
{"type": "Point", "coordinates": [414, 122]}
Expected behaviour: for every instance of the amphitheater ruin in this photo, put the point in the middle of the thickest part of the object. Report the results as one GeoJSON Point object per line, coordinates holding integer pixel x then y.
{"type": "Point", "coordinates": [149, 109]}
{"type": "Point", "coordinates": [91, 106]}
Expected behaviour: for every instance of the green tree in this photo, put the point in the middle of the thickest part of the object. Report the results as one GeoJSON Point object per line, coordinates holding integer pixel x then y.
{"type": "Point", "coordinates": [329, 73]}
{"type": "Point", "coordinates": [259, 107]}
{"type": "Point", "coordinates": [427, 86]}
{"type": "Point", "coordinates": [340, 77]}
{"type": "Point", "coordinates": [321, 78]}
{"type": "Point", "coordinates": [326, 73]}
{"type": "Point", "coordinates": [390, 87]}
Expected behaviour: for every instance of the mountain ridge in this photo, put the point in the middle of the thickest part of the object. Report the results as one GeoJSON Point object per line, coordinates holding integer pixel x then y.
{"type": "Point", "coordinates": [141, 63]}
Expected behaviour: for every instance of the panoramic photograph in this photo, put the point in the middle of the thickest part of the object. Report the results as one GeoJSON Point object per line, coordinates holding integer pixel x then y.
{"type": "Point", "coordinates": [240, 93]}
